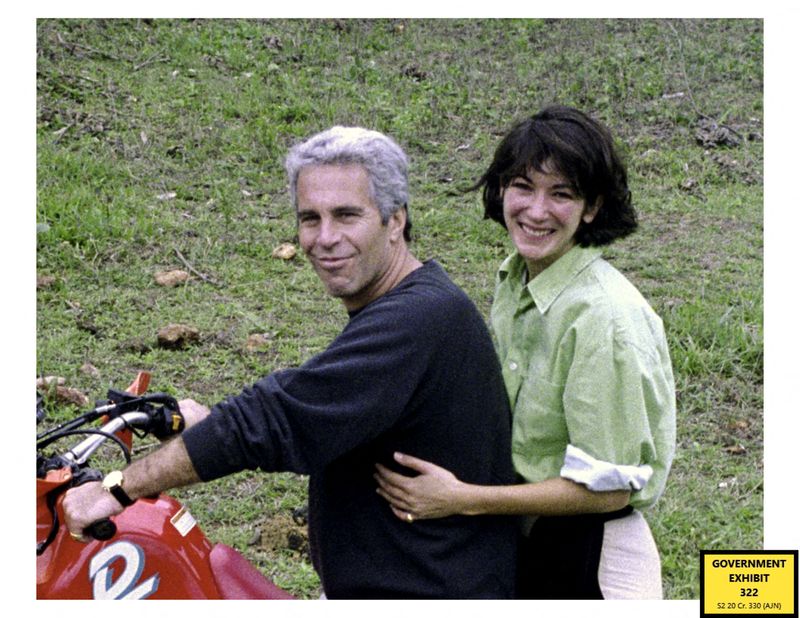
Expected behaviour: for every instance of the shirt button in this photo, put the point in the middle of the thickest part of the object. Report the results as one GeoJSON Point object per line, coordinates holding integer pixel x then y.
{"type": "Point", "coordinates": [513, 366]}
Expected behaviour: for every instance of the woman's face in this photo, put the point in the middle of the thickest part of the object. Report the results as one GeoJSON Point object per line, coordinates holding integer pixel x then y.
{"type": "Point", "coordinates": [542, 212]}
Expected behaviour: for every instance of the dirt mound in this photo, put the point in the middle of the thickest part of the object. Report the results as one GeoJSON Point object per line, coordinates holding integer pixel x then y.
{"type": "Point", "coordinates": [284, 531]}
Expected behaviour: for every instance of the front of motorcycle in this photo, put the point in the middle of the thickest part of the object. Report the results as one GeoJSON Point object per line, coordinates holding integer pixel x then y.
{"type": "Point", "coordinates": [154, 549]}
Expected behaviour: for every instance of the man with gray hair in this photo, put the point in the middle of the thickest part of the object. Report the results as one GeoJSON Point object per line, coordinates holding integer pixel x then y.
{"type": "Point", "coordinates": [414, 370]}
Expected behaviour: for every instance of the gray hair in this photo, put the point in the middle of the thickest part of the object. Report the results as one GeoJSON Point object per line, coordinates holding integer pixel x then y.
{"type": "Point", "coordinates": [385, 162]}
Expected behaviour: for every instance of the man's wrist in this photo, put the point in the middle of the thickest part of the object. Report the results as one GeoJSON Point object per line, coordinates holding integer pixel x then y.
{"type": "Point", "coordinates": [113, 483]}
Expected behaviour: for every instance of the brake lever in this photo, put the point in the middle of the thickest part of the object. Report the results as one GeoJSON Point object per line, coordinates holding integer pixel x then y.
{"type": "Point", "coordinates": [119, 402]}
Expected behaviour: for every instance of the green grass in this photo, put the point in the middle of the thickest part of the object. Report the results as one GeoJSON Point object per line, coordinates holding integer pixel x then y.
{"type": "Point", "coordinates": [160, 137]}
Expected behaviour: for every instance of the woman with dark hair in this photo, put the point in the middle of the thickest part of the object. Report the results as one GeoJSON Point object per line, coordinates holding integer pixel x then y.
{"type": "Point", "coordinates": [586, 367]}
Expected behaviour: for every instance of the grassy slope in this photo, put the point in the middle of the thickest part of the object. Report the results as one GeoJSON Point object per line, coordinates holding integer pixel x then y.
{"type": "Point", "coordinates": [159, 137]}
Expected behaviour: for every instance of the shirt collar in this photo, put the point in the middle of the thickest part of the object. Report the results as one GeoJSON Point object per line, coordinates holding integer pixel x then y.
{"type": "Point", "coordinates": [554, 279]}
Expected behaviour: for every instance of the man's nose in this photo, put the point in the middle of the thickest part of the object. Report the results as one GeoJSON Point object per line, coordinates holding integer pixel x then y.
{"type": "Point", "coordinates": [328, 233]}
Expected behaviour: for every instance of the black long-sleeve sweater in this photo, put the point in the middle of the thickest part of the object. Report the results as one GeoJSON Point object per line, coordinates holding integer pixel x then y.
{"type": "Point", "coordinates": [414, 371]}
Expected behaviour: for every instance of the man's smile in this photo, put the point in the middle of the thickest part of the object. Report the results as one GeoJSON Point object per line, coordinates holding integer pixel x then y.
{"type": "Point", "coordinates": [331, 262]}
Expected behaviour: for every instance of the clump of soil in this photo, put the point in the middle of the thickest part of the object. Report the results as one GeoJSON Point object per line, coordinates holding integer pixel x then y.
{"type": "Point", "coordinates": [283, 531]}
{"type": "Point", "coordinates": [177, 336]}
{"type": "Point", "coordinates": [171, 278]}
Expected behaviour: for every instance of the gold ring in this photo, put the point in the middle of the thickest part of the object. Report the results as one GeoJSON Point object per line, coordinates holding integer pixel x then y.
{"type": "Point", "coordinates": [76, 536]}
{"type": "Point", "coordinates": [409, 518]}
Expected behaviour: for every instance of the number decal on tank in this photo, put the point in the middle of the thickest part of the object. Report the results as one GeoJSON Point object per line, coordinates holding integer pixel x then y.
{"type": "Point", "coordinates": [106, 584]}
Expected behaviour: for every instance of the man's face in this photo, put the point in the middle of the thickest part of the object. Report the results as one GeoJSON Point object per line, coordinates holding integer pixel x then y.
{"type": "Point", "coordinates": [340, 230]}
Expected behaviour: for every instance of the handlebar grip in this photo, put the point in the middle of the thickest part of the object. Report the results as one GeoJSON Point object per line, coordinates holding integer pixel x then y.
{"type": "Point", "coordinates": [167, 423]}
{"type": "Point", "coordinates": [101, 530]}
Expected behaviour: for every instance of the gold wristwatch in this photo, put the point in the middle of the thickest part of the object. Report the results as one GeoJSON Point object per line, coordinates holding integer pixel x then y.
{"type": "Point", "coordinates": [112, 483]}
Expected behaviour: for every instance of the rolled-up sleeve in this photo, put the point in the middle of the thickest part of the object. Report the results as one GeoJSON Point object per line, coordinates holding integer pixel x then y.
{"type": "Point", "coordinates": [619, 404]}
{"type": "Point", "coordinates": [597, 475]}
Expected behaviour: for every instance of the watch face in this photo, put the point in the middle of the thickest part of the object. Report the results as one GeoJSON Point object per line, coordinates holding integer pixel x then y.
{"type": "Point", "coordinates": [113, 479]}
{"type": "Point", "coordinates": [112, 483]}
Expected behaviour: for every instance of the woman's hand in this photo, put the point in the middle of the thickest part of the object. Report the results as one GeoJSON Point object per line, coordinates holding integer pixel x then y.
{"type": "Point", "coordinates": [434, 493]}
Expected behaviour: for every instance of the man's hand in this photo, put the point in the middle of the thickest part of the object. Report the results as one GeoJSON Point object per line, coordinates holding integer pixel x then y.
{"type": "Point", "coordinates": [86, 504]}
{"type": "Point", "coordinates": [192, 411]}
{"type": "Point", "coordinates": [163, 469]}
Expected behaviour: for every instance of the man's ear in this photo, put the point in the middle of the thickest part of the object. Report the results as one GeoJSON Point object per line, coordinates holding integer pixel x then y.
{"type": "Point", "coordinates": [397, 223]}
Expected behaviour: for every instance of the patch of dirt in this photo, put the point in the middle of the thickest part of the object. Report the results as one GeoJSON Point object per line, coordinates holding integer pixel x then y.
{"type": "Point", "coordinates": [137, 345]}
{"type": "Point", "coordinates": [44, 281]}
{"type": "Point", "coordinates": [54, 389]}
{"type": "Point", "coordinates": [171, 278]}
{"type": "Point", "coordinates": [258, 342]}
{"type": "Point", "coordinates": [177, 336]}
{"type": "Point", "coordinates": [284, 531]}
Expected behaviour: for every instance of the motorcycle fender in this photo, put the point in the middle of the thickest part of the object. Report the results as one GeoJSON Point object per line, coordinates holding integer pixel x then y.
{"type": "Point", "coordinates": [236, 578]}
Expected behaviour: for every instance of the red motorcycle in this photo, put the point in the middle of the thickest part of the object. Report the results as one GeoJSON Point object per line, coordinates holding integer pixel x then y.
{"type": "Point", "coordinates": [154, 549]}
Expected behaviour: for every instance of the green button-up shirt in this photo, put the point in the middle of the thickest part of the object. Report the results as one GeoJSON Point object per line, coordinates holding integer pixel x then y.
{"type": "Point", "coordinates": [586, 364]}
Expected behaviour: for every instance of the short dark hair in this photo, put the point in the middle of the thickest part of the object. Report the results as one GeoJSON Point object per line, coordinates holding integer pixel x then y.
{"type": "Point", "coordinates": [566, 141]}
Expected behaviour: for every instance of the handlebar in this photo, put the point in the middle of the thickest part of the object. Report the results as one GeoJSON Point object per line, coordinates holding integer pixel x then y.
{"type": "Point", "coordinates": [122, 411]}
{"type": "Point", "coordinates": [105, 529]}
{"type": "Point", "coordinates": [80, 453]}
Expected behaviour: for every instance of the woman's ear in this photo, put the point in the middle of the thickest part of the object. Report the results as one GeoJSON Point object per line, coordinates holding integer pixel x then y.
{"type": "Point", "coordinates": [590, 212]}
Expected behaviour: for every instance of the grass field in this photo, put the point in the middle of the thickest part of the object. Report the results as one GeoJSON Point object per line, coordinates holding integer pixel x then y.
{"type": "Point", "coordinates": [160, 145]}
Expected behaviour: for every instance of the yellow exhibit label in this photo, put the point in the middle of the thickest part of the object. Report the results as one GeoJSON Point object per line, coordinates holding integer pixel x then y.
{"type": "Point", "coordinates": [748, 583]}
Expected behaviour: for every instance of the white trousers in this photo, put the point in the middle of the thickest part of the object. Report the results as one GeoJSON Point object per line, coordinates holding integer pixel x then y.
{"type": "Point", "coordinates": [630, 567]}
